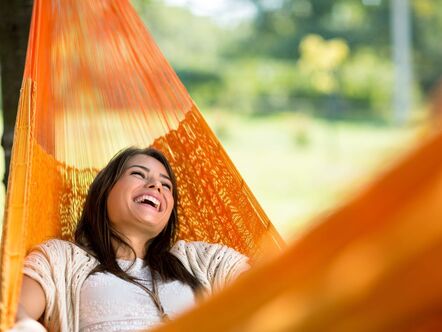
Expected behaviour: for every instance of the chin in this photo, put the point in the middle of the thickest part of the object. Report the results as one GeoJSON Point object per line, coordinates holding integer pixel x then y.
{"type": "Point", "coordinates": [150, 229]}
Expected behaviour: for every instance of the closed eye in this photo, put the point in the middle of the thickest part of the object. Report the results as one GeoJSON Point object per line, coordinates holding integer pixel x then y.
{"type": "Point", "coordinates": [167, 185]}
{"type": "Point", "coordinates": [138, 174]}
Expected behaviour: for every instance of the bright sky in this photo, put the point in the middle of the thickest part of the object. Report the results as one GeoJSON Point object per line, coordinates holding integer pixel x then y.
{"type": "Point", "coordinates": [223, 11]}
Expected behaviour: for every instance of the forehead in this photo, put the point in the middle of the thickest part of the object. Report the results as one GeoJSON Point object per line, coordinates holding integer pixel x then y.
{"type": "Point", "coordinates": [148, 162]}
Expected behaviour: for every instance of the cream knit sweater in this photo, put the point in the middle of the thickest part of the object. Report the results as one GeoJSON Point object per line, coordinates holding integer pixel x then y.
{"type": "Point", "coordinates": [61, 268]}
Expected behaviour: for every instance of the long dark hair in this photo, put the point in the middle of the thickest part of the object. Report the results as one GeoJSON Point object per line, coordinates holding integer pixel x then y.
{"type": "Point", "coordinates": [95, 234]}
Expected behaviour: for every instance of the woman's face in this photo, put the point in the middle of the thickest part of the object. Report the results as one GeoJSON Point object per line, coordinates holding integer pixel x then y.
{"type": "Point", "coordinates": [141, 201]}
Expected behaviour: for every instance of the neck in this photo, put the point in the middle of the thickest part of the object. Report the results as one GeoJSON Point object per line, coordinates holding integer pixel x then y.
{"type": "Point", "coordinates": [139, 246]}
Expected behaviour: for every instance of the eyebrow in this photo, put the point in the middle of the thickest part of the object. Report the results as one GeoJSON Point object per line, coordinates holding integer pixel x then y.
{"type": "Point", "coordinates": [148, 170]}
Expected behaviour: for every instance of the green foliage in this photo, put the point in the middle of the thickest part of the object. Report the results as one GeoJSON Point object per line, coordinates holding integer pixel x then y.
{"type": "Point", "coordinates": [191, 44]}
{"type": "Point", "coordinates": [427, 23]}
{"type": "Point", "coordinates": [205, 84]}
{"type": "Point", "coordinates": [329, 58]}
{"type": "Point", "coordinates": [367, 79]}
{"type": "Point", "coordinates": [321, 60]}
{"type": "Point", "coordinates": [253, 85]}
{"type": "Point", "coordinates": [361, 27]}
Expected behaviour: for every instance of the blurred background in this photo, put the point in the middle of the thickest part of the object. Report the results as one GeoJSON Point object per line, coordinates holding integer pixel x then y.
{"type": "Point", "coordinates": [310, 98]}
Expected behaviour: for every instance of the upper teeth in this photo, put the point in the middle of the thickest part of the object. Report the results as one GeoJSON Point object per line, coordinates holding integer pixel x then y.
{"type": "Point", "coordinates": [150, 198]}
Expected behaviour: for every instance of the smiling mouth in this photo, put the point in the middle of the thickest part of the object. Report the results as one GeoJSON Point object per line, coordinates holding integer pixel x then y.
{"type": "Point", "coordinates": [148, 200]}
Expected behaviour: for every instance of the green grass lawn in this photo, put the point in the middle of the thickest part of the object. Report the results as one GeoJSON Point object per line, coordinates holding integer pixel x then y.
{"type": "Point", "coordinates": [299, 167]}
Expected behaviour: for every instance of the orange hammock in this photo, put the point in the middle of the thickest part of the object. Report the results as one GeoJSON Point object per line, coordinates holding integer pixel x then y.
{"type": "Point", "coordinates": [373, 265]}
{"type": "Point", "coordinates": [95, 82]}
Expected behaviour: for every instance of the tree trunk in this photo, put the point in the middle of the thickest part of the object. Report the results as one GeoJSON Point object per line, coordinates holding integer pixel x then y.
{"type": "Point", "coordinates": [15, 18]}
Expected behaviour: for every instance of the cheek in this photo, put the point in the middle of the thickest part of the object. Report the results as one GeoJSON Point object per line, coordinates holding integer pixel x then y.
{"type": "Point", "coordinates": [169, 209]}
{"type": "Point", "coordinates": [110, 207]}
{"type": "Point", "coordinates": [171, 202]}
{"type": "Point", "coordinates": [113, 204]}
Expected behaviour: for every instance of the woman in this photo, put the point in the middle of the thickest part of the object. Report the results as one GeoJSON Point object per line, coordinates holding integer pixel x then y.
{"type": "Point", "coordinates": [124, 268]}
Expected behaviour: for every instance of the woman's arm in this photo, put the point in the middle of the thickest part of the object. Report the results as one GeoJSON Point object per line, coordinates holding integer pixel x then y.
{"type": "Point", "coordinates": [32, 299]}
{"type": "Point", "coordinates": [31, 307]}
{"type": "Point", "coordinates": [214, 265]}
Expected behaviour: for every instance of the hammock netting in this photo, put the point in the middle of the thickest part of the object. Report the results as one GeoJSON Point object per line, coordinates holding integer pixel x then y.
{"type": "Point", "coordinates": [95, 82]}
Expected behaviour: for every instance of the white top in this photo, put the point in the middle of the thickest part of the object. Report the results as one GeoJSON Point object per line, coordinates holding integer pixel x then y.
{"type": "Point", "coordinates": [61, 268]}
{"type": "Point", "coordinates": [108, 303]}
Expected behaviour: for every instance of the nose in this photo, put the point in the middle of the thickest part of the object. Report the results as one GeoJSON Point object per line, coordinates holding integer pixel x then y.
{"type": "Point", "coordinates": [154, 183]}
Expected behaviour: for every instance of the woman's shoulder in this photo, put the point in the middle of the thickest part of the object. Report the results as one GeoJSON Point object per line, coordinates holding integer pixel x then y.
{"type": "Point", "coordinates": [202, 250]}
{"type": "Point", "coordinates": [198, 246]}
{"type": "Point", "coordinates": [60, 248]}
{"type": "Point", "coordinates": [215, 265]}
{"type": "Point", "coordinates": [56, 244]}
